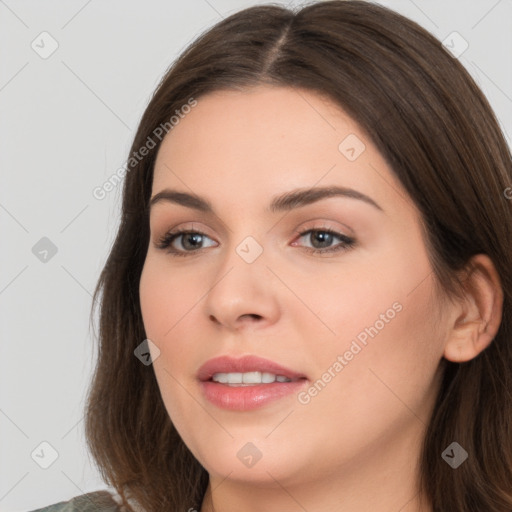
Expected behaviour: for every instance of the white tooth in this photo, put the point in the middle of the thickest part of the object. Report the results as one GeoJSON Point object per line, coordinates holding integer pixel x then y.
{"type": "Point", "coordinates": [234, 378]}
{"type": "Point", "coordinates": [251, 378]}
{"type": "Point", "coordinates": [248, 378]}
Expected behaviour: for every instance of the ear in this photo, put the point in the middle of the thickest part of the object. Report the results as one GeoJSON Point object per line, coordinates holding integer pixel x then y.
{"type": "Point", "coordinates": [478, 315]}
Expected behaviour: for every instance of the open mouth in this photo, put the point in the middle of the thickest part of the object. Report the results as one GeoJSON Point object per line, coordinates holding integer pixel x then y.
{"type": "Point", "coordinates": [249, 378]}
{"type": "Point", "coordinates": [247, 382]}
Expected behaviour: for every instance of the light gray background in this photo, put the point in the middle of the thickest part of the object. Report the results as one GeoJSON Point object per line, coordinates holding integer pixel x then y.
{"type": "Point", "coordinates": [67, 123]}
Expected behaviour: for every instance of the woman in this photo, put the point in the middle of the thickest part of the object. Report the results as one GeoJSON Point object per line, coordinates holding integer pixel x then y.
{"type": "Point", "coordinates": [307, 305]}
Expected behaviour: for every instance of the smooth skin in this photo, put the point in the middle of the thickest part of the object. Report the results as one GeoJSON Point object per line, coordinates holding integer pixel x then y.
{"type": "Point", "coordinates": [355, 445]}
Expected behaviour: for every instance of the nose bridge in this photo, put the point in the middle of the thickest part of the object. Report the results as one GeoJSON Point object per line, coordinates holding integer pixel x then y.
{"type": "Point", "coordinates": [243, 264]}
{"type": "Point", "coordinates": [245, 240]}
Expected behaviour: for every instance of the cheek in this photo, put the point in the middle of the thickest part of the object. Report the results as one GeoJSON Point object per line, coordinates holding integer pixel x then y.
{"type": "Point", "coordinates": [165, 300]}
{"type": "Point", "coordinates": [390, 351]}
{"type": "Point", "coordinates": [380, 387]}
{"type": "Point", "coordinates": [360, 299]}
{"type": "Point", "coordinates": [166, 307]}
{"type": "Point", "coordinates": [386, 331]}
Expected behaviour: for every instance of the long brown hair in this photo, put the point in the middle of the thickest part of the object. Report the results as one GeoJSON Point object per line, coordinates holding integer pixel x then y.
{"type": "Point", "coordinates": [438, 133]}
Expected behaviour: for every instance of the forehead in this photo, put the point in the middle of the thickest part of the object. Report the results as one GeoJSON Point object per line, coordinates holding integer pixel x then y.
{"type": "Point", "coordinates": [260, 141]}
{"type": "Point", "coordinates": [274, 116]}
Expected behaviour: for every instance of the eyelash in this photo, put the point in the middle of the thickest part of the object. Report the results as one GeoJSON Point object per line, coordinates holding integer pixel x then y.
{"type": "Point", "coordinates": [165, 241]}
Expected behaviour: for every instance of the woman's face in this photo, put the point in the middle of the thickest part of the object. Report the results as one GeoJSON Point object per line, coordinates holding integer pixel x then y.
{"type": "Point", "coordinates": [359, 327]}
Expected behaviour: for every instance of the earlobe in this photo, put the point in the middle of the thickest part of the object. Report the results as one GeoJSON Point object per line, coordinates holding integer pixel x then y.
{"type": "Point", "coordinates": [478, 315]}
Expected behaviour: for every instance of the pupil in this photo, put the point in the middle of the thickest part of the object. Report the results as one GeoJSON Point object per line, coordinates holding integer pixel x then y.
{"type": "Point", "coordinates": [324, 237]}
{"type": "Point", "coordinates": [190, 237]}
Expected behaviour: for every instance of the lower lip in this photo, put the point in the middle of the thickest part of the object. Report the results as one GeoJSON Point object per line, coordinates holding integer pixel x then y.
{"type": "Point", "coordinates": [246, 398]}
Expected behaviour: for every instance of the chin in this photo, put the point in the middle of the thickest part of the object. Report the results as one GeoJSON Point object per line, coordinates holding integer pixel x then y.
{"type": "Point", "coordinates": [253, 459]}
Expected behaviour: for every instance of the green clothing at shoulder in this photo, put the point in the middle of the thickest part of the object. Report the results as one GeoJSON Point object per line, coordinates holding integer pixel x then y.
{"type": "Point", "coordinates": [98, 501]}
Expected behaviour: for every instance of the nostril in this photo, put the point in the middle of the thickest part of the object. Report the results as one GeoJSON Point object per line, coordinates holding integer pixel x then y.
{"type": "Point", "coordinates": [253, 315]}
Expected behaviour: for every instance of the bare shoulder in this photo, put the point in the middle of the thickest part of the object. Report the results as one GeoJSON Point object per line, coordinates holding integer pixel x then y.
{"type": "Point", "coordinates": [97, 501]}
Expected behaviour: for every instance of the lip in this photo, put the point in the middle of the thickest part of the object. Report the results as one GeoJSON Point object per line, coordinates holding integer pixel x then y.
{"type": "Point", "coordinates": [227, 364]}
{"type": "Point", "coordinates": [245, 398]}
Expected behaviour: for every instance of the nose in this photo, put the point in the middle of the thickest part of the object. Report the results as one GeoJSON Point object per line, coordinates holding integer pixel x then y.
{"type": "Point", "coordinates": [244, 296]}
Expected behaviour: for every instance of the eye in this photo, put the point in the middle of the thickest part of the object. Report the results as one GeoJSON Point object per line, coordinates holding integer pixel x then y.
{"type": "Point", "coordinates": [191, 241]}
{"type": "Point", "coordinates": [324, 237]}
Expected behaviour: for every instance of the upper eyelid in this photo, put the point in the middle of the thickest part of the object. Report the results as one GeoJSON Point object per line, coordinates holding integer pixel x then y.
{"type": "Point", "coordinates": [310, 225]}
{"type": "Point", "coordinates": [181, 231]}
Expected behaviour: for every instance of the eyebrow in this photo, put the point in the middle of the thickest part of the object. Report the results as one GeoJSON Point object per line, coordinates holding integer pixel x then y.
{"type": "Point", "coordinates": [284, 202]}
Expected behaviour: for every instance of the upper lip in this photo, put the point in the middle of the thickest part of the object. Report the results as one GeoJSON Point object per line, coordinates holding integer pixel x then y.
{"type": "Point", "coordinates": [248, 363]}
